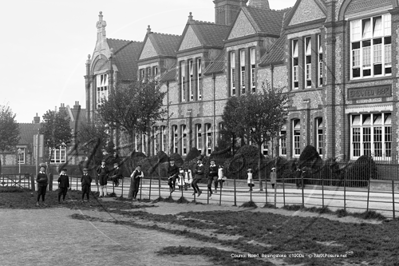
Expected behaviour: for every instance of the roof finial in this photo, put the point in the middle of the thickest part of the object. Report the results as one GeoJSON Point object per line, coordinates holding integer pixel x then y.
{"type": "Point", "coordinates": [190, 16]}
{"type": "Point", "coordinates": [148, 29]}
{"type": "Point", "coordinates": [101, 24]}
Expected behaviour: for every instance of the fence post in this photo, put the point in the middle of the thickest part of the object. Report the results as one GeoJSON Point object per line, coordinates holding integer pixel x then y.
{"type": "Point", "coordinates": [141, 187]}
{"type": "Point", "coordinates": [344, 192]}
{"type": "Point", "coordinates": [393, 198]}
{"type": "Point", "coordinates": [303, 191]}
{"type": "Point", "coordinates": [159, 186]}
{"type": "Point", "coordinates": [220, 196]}
{"type": "Point", "coordinates": [266, 195]}
{"type": "Point", "coordinates": [32, 182]}
{"type": "Point", "coordinates": [122, 187]}
{"type": "Point", "coordinates": [283, 191]}
{"type": "Point", "coordinates": [235, 190]}
{"type": "Point", "coordinates": [149, 193]}
{"type": "Point", "coordinates": [368, 194]}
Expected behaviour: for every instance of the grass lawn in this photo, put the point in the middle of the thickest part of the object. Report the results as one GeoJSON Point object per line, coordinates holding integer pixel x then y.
{"type": "Point", "coordinates": [243, 236]}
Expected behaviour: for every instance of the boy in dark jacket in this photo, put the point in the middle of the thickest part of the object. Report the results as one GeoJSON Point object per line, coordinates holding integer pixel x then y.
{"type": "Point", "coordinates": [173, 172]}
{"type": "Point", "coordinates": [63, 185]}
{"type": "Point", "coordinates": [117, 174]}
{"type": "Point", "coordinates": [86, 184]}
{"type": "Point", "coordinates": [212, 176]}
{"type": "Point", "coordinates": [198, 175]}
{"type": "Point", "coordinates": [42, 181]}
{"type": "Point", "coordinates": [103, 172]}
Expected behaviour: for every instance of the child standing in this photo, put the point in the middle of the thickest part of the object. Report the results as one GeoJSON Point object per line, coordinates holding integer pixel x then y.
{"type": "Point", "coordinates": [180, 181]}
{"type": "Point", "coordinates": [103, 172]}
{"type": "Point", "coordinates": [250, 180]}
{"type": "Point", "coordinates": [188, 178]}
{"type": "Point", "coordinates": [221, 177]}
{"type": "Point", "coordinates": [135, 183]}
{"type": "Point", "coordinates": [63, 185]}
{"type": "Point", "coordinates": [42, 181]}
{"type": "Point", "coordinates": [86, 184]}
{"type": "Point", "coordinates": [273, 177]}
{"type": "Point", "coordinates": [213, 173]}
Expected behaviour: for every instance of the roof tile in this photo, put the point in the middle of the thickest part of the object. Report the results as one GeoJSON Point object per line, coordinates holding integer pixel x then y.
{"type": "Point", "coordinates": [126, 55]}
{"type": "Point", "coordinates": [166, 44]}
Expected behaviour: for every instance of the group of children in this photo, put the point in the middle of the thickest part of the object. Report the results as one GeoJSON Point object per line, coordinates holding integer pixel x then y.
{"type": "Point", "coordinates": [250, 180]}
{"type": "Point", "coordinates": [63, 185]}
{"type": "Point", "coordinates": [186, 178]}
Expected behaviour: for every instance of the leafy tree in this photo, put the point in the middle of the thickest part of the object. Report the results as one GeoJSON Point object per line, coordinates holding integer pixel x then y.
{"type": "Point", "coordinates": [257, 117]}
{"type": "Point", "coordinates": [56, 129]}
{"type": "Point", "coordinates": [9, 129]}
{"type": "Point", "coordinates": [133, 109]}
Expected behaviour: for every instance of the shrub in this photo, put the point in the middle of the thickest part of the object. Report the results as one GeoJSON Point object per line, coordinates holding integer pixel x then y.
{"type": "Point", "coordinates": [192, 154]}
{"type": "Point", "coordinates": [177, 158]}
{"type": "Point", "coordinates": [361, 171]}
{"type": "Point", "coordinates": [246, 157]}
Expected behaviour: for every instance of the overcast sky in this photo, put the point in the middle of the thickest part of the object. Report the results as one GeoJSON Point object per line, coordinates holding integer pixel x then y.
{"type": "Point", "coordinates": [45, 43]}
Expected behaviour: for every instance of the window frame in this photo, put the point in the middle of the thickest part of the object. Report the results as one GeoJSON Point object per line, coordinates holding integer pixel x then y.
{"type": "Point", "coordinates": [370, 48]}
{"type": "Point", "coordinates": [363, 129]}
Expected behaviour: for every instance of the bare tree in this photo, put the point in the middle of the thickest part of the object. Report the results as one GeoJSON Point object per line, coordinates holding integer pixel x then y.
{"type": "Point", "coordinates": [133, 109]}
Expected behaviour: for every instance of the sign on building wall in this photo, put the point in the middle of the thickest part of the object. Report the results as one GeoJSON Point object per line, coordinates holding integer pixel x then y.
{"type": "Point", "coordinates": [370, 92]}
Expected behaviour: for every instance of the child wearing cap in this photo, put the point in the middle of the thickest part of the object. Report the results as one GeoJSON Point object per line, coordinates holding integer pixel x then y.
{"type": "Point", "coordinates": [63, 185]}
{"type": "Point", "coordinates": [42, 181]}
{"type": "Point", "coordinates": [273, 177]}
{"type": "Point", "coordinates": [86, 184]}
{"type": "Point", "coordinates": [250, 180]}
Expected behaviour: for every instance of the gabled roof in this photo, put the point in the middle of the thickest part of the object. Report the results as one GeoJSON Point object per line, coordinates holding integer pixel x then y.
{"type": "Point", "coordinates": [26, 133]}
{"type": "Point", "coordinates": [276, 53]}
{"type": "Point", "coordinates": [125, 56]}
{"type": "Point", "coordinates": [165, 44]}
{"type": "Point", "coordinates": [217, 66]}
{"type": "Point", "coordinates": [320, 3]}
{"type": "Point", "coordinates": [208, 33]}
{"type": "Point", "coordinates": [266, 20]}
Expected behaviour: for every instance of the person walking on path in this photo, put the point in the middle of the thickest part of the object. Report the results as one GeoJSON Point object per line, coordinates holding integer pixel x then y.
{"type": "Point", "coordinates": [103, 173]}
{"type": "Point", "coordinates": [63, 185]}
{"type": "Point", "coordinates": [212, 177]}
{"type": "Point", "coordinates": [42, 182]}
{"type": "Point", "coordinates": [135, 182]}
{"type": "Point", "coordinates": [180, 181]}
{"type": "Point", "coordinates": [173, 172]}
{"type": "Point", "coordinates": [250, 180]}
{"type": "Point", "coordinates": [86, 184]}
{"type": "Point", "coordinates": [199, 174]}
{"type": "Point", "coordinates": [273, 177]}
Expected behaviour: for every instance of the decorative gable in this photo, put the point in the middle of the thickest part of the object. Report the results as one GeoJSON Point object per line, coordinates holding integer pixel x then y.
{"type": "Point", "coordinates": [307, 10]}
{"type": "Point", "coordinates": [242, 27]}
{"type": "Point", "coordinates": [148, 50]}
{"type": "Point", "coordinates": [190, 40]}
